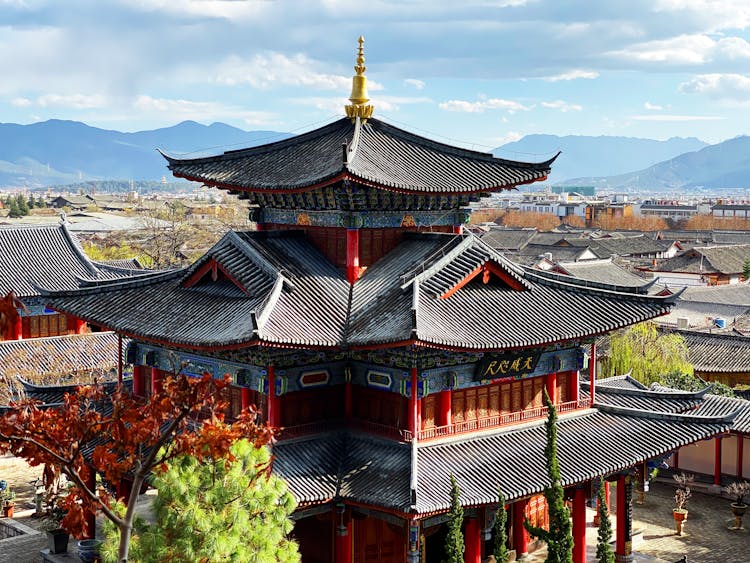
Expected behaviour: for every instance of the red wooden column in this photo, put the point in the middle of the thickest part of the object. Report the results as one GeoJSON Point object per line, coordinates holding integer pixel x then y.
{"type": "Point", "coordinates": [343, 544]}
{"type": "Point", "coordinates": [138, 374]}
{"type": "Point", "coordinates": [18, 328]}
{"type": "Point", "coordinates": [676, 460]}
{"type": "Point", "coordinates": [155, 381]}
{"type": "Point", "coordinates": [119, 359]}
{"type": "Point", "coordinates": [472, 541]}
{"type": "Point", "coordinates": [444, 417]}
{"type": "Point", "coordinates": [352, 255]}
{"type": "Point", "coordinates": [551, 384]}
{"type": "Point", "coordinates": [624, 546]}
{"type": "Point", "coordinates": [579, 526]}
{"type": "Point", "coordinates": [274, 416]}
{"type": "Point", "coordinates": [592, 371]}
{"type": "Point", "coordinates": [91, 518]}
{"type": "Point", "coordinates": [717, 461]}
{"type": "Point", "coordinates": [413, 406]}
{"type": "Point", "coordinates": [520, 535]}
{"type": "Point", "coordinates": [457, 229]}
{"type": "Point", "coordinates": [246, 397]}
{"type": "Point", "coordinates": [574, 390]}
{"type": "Point", "coordinates": [740, 454]}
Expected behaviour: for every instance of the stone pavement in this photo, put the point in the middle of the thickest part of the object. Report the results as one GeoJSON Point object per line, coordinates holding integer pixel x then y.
{"type": "Point", "coordinates": [706, 536]}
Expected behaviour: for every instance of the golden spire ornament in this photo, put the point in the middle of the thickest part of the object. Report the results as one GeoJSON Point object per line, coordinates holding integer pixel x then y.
{"type": "Point", "coordinates": [359, 106]}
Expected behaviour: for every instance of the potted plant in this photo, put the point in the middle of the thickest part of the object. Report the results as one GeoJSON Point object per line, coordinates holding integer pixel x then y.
{"type": "Point", "coordinates": [738, 491]}
{"type": "Point", "coordinates": [9, 501]}
{"type": "Point", "coordinates": [57, 536]}
{"type": "Point", "coordinates": [681, 496]}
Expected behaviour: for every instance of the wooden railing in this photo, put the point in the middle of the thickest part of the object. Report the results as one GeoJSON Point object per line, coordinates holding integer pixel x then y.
{"type": "Point", "coordinates": [496, 421]}
{"type": "Point", "coordinates": [403, 435]}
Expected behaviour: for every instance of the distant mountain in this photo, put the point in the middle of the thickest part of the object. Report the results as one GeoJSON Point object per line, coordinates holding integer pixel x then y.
{"type": "Point", "coordinates": [584, 156]}
{"type": "Point", "coordinates": [724, 165]}
{"type": "Point", "coordinates": [57, 152]}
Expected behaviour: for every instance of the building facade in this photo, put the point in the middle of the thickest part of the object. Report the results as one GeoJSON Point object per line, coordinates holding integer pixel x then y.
{"type": "Point", "coordinates": [391, 348]}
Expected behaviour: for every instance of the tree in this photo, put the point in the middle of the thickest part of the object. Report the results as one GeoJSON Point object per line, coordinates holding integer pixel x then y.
{"type": "Point", "coordinates": [559, 538]}
{"type": "Point", "coordinates": [746, 269]}
{"type": "Point", "coordinates": [686, 382]}
{"type": "Point", "coordinates": [500, 547]}
{"type": "Point", "coordinates": [454, 540]}
{"type": "Point", "coordinates": [121, 436]}
{"type": "Point", "coordinates": [542, 221]}
{"type": "Point", "coordinates": [196, 502]}
{"type": "Point", "coordinates": [603, 549]}
{"type": "Point", "coordinates": [23, 205]}
{"type": "Point", "coordinates": [647, 352]}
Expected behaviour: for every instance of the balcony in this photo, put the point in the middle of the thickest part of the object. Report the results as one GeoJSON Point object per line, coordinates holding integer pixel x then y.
{"type": "Point", "coordinates": [434, 433]}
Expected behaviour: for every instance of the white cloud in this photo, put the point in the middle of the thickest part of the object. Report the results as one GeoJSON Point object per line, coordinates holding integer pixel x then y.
{"type": "Point", "coordinates": [714, 14]}
{"type": "Point", "coordinates": [562, 105]}
{"type": "Point", "coordinates": [734, 87]}
{"type": "Point", "coordinates": [74, 101]}
{"type": "Point", "coordinates": [480, 105]}
{"type": "Point", "coordinates": [686, 50]}
{"type": "Point", "coordinates": [276, 69]}
{"type": "Point", "coordinates": [21, 102]}
{"type": "Point", "coordinates": [652, 107]}
{"type": "Point", "coordinates": [223, 9]}
{"type": "Point", "coordinates": [663, 117]}
{"type": "Point", "coordinates": [415, 83]}
{"type": "Point", "coordinates": [573, 75]}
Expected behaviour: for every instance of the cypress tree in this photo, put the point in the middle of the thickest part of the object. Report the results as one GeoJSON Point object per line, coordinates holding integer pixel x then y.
{"type": "Point", "coordinates": [603, 549]}
{"type": "Point", "coordinates": [501, 536]}
{"type": "Point", "coordinates": [559, 537]}
{"type": "Point", "coordinates": [454, 540]}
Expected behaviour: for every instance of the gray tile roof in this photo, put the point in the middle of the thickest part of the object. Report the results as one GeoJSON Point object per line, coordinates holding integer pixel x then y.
{"type": "Point", "coordinates": [377, 472]}
{"type": "Point", "coordinates": [46, 257]}
{"type": "Point", "coordinates": [271, 303]}
{"type": "Point", "coordinates": [717, 352]}
{"type": "Point", "coordinates": [508, 239]}
{"type": "Point", "coordinates": [603, 272]}
{"type": "Point", "coordinates": [376, 153]}
{"type": "Point", "coordinates": [84, 351]}
{"type": "Point", "coordinates": [708, 259]}
{"type": "Point", "coordinates": [280, 289]}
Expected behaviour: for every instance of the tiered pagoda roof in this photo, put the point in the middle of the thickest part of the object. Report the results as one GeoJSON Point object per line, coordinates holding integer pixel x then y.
{"type": "Point", "coordinates": [277, 289]}
{"type": "Point", "coordinates": [375, 154]}
{"type": "Point", "coordinates": [600, 441]}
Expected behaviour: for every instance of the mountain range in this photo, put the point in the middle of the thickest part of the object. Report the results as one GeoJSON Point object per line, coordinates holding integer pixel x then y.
{"type": "Point", "coordinates": [60, 152]}
{"type": "Point", "coordinates": [585, 156]}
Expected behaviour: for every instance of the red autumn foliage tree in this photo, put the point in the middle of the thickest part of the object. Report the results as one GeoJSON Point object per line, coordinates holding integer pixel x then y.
{"type": "Point", "coordinates": [124, 437]}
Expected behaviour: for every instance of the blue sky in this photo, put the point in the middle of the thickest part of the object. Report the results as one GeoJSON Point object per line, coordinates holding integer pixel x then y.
{"type": "Point", "coordinates": [472, 72]}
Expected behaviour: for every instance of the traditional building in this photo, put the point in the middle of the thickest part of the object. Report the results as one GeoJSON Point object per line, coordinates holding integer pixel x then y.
{"type": "Point", "coordinates": [40, 343]}
{"type": "Point", "coordinates": [391, 348]}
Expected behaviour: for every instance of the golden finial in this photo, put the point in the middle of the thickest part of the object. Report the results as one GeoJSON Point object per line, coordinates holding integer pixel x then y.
{"type": "Point", "coordinates": [359, 106]}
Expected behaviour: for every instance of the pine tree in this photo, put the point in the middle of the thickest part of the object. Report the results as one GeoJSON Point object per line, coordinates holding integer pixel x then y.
{"type": "Point", "coordinates": [746, 269]}
{"type": "Point", "coordinates": [501, 536]}
{"type": "Point", "coordinates": [559, 538]}
{"type": "Point", "coordinates": [23, 206]}
{"type": "Point", "coordinates": [14, 211]}
{"type": "Point", "coordinates": [603, 549]}
{"type": "Point", "coordinates": [220, 510]}
{"type": "Point", "coordinates": [454, 540]}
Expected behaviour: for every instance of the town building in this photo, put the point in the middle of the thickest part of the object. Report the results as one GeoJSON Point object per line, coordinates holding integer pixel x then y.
{"type": "Point", "coordinates": [390, 347]}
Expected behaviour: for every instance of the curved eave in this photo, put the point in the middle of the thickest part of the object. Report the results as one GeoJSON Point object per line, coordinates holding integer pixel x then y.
{"type": "Point", "coordinates": [341, 176]}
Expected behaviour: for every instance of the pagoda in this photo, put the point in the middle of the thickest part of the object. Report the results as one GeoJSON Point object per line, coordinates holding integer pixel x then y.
{"type": "Point", "coordinates": [389, 346]}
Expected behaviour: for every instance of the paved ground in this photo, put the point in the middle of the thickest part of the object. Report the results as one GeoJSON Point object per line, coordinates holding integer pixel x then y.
{"type": "Point", "coordinates": [707, 537]}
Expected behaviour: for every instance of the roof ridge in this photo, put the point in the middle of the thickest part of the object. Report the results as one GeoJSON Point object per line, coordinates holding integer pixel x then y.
{"type": "Point", "coordinates": [676, 417]}
{"type": "Point", "coordinates": [458, 151]}
{"type": "Point", "coordinates": [260, 149]}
